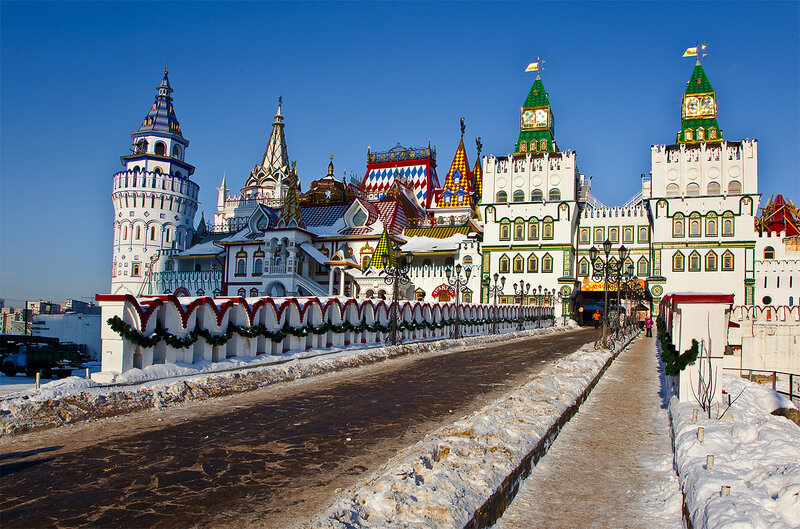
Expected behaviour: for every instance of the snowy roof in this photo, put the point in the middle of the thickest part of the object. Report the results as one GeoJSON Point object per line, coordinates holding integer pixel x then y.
{"type": "Point", "coordinates": [314, 253]}
{"type": "Point", "coordinates": [430, 244]}
{"type": "Point", "coordinates": [206, 247]}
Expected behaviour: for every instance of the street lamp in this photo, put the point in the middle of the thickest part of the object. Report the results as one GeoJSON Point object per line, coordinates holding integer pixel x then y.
{"type": "Point", "coordinates": [458, 283]}
{"type": "Point", "coordinates": [521, 291]}
{"type": "Point", "coordinates": [395, 275]}
{"type": "Point", "coordinates": [494, 291]}
{"type": "Point", "coordinates": [607, 270]}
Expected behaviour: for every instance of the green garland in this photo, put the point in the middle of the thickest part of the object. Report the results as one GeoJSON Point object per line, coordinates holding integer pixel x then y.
{"type": "Point", "coordinates": [126, 332]}
{"type": "Point", "coordinates": [673, 362]}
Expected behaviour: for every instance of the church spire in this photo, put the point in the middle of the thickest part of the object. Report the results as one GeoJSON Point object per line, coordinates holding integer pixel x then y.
{"type": "Point", "coordinates": [291, 217]}
{"type": "Point", "coordinates": [456, 189]}
{"type": "Point", "coordinates": [276, 156]}
{"type": "Point", "coordinates": [161, 117]}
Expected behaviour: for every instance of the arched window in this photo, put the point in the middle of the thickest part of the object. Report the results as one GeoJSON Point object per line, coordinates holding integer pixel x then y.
{"type": "Point", "coordinates": [533, 229]}
{"type": "Point", "coordinates": [135, 269]}
{"type": "Point", "coordinates": [138, 233]}
{"type": "Point", "coordinates": [547, 229]}
{"type": "Point", "coordinates": [176, 152]}
{"type": "Point", "coordinates": [713, 189]}
{"type": "Point", "coordinates": [585, 236]}
{"type": "Point", "coordinates": [125, 233]}
{"type": "Point", "coordinates": [466, 295]}
{"type": "Point", "coordinates": [253, 292]}
{"type": "Point", "coordinates": [467, 259]}
{"type": "Point", "coordinates": [583, 267]}
{"type": "Point", "coordinates": [360, 218]}
{"type": "Point", "coordinates": [241, 292]}
{"type": "Point", "coordinates": [734, 187]}
{"type": "Point", "coordinates": [711, 261]}
{"type": "Point", "coordinates": [157, 170]}
{"type": "Point", "coordinates": [240, 267]}
{"type": "Point", "coordinates": [160, 148]}
{"type": "Point", "coordinates": [687, 135]}
{"type": "Point", "coordinates": [533, 263]}
{"type": "Point", "coordinates": [502, 196]}
{"type": "Point", "coordinates": [523, 146]}
{"type": "Point", "coordinates": [141, 146]}
{"type": "Point", "coordinates": [727, 225]}
{"type": "Point", "coordinates": [692, 189]}
{"type": "Point", "coordinates": [519, 264]}
{"type": "Point", "coordinates": [694, 225]}
{"type": "Point", "coordinates": [519, 230]}
{"type": "Point", "coordinates": [537, 195]}
{"type": "Point", "coordinates": [136, 168]}
{"type": "Point", "coordinates": [643, 267]}
{"type": "Point", "coordinates": [365, 262]}
{"type": "Point", "coordinates": [712, 133]}
{"type": "Point", "coordinates": [547, 263]}
{"type": "Point", "coordinates": [258, 267]}
{"type": "Point", "coordinates": [519, 195]}
{"type": "Point", "coordinates": [152, 233]}
{"type": "Point", "coordinates": [727, 261]}
{"type": "Point", "coordinates": [701, 133]}
{"type": "Point", "coordinates": [555, 195]}
{"type": "Point", "coordinates": [694, 262]}
{"type": "Point", "coordinates": [505, 263]}
{"type": "Point", "coordinates": [613, 235]}
{"type": "Point", "coordinates": [543, 144]}
{"type": "Point", "coordinates": [769, 252]}
{"type": "Point", "coordinates": [505, 230]}
{"type": "Point", "coordinates": [678, 263]}
{"type": "Point", "coordinates": [678, 225]}
{"type": "Point", "coordinates": [673, 190]}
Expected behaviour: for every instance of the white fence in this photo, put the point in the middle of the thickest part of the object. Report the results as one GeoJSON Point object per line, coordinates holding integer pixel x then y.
{"type": "Point", "coordinates": [139, 332]}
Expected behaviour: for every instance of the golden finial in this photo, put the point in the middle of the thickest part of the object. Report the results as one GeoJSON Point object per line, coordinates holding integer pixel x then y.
{"type": "Point", "coordinates": [166, 67]}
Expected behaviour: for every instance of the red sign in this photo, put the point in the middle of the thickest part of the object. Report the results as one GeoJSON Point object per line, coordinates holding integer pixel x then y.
{"type": "Point", "coordinates": [443, 288]}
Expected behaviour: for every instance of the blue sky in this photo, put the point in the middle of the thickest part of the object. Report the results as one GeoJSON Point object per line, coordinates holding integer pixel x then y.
{"type": "Point", "coordinates": [77, 78]}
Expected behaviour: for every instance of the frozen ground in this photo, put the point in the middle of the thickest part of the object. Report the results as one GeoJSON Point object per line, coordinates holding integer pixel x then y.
{"type": "Point", "coordinates": [611, 465]}
{"type": "Point", "coordinates": [755, 453]}
{"type": "Point", "coordinates": [442, 481]}
{"type": "Point", "coordinates": [75, 398]}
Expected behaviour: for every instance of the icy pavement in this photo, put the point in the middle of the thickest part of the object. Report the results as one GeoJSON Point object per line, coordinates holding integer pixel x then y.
{"type": "Point", "coordinates": [755, 454]}
{"type": "Point", "coordinates": [444, 481]}
{"type": "Point", "coordinates": [611, 465]}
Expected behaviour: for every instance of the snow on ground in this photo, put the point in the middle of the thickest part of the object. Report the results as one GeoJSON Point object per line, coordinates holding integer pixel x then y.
{"type": "Point", "coordinates": [442, 480]}
{"type": "Point", "coordinates": [75, 399]}
{"type": "Point", "coordinates": [756, 454]}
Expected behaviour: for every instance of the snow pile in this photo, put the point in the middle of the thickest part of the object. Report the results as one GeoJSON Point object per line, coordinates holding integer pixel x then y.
{"type": "Point", "coordinates": [756, 454]}
{"type": "Point", "coordinates": [443, 480]}
{"type": "Point", "coordinates": [75, 399]}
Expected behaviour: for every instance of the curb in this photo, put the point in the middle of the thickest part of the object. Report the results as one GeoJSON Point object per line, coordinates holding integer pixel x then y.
{"type": "Point", "coordinates": [492, 509]}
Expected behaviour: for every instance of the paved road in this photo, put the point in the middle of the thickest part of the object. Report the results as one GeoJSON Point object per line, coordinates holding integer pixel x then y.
{"type": "Point", "coordinates": [268, 458]}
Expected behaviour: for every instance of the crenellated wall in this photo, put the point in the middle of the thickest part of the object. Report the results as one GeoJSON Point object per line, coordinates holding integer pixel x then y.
{"type": "Point", "coordinates": [299, 323]}
{"type": "Point", "coordinates": [765, 337]}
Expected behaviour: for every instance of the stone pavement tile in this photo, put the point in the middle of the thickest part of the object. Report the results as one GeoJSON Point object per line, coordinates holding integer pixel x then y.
{"type": "Point", "coordinates": [611, 465]}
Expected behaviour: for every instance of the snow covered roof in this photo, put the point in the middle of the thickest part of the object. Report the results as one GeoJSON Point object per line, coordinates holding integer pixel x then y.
{"type": "Point", "coordinates": [431, 244]}
{"type": "Point", "coordinates": [207, 247]}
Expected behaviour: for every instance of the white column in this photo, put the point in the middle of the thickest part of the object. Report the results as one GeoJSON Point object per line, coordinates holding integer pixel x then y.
{"type": "Point", "coordinates": [341, 282]}
{"type": "Point", "coordinates": [330, 281]}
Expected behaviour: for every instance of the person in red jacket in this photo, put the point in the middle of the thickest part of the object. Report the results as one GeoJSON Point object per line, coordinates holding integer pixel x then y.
{"type": "Point", "coordinates": [596, 317]}
{"type": "Point", "coordinates": [648, 324]}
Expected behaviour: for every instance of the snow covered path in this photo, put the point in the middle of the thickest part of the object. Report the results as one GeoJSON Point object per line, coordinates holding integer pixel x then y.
{"type": "Point", "coordinates": [611, 465]}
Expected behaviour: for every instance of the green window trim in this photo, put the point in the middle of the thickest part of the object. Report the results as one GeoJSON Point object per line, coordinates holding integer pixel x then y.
{"type": "Point", "coordinates": [728, 263]}
{"type": "Point", "coordinates": [695, 262]}
{"type": "Point", "coordinates": [711, 262]}
{"type": "Point", "coordinates": [533, 230]}
{"type": "Point", "coordinates": [533, 263]}
{"type": "Point", "coordinates": [504, 265]}
{"type": "Point", "coordinates": [547, 231]}
{"type": "Point", "coordinates": [678, 262]}
{"type": "Point", "coordinates": [547, 263]}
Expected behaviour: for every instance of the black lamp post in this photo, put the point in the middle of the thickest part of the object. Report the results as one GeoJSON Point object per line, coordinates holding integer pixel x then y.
{"type": "Point", "coordinates": [395, 275]}
{"type": "Point", "coordinates": [607, 270]}
{"type": "Point", "coordinates": [494, 291]}
{"type": "Point", "coordinates": [458, 282]}
{"type": "Point", "coordinates": [521, 291]}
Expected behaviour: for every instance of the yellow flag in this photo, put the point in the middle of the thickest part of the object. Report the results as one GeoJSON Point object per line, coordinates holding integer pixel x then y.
{"type": "Point", "coordinates": [691, 51]}
{"type": "Point", "coordinates": [532, 67]}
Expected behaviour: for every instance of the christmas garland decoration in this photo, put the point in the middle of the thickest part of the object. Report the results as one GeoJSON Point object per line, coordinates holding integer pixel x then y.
{"type": "Point", "coordinates": [673, 362]}
{"type": "Point", "coordinates": [135, 337]}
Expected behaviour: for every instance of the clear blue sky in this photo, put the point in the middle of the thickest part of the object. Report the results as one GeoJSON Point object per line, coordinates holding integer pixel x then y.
{"type": "Point", "coordinates": [77, 78]}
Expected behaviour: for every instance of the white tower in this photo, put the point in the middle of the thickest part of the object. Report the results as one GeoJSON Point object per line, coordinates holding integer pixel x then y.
{"type": "Point", "coordinates": [154, 198]}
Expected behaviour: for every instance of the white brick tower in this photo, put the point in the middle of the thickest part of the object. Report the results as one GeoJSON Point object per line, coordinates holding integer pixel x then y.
{"type": "Point", "coordinates": [154, 198]}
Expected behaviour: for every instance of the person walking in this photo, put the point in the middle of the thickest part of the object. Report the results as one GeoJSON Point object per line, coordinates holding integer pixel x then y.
{"type": "Point", "coordinates": [596, 317]}
{"type": "Point", "coordinates": [648, 324]}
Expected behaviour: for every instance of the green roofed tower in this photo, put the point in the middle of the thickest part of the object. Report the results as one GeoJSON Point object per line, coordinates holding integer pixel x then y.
{"type": "Point", "coordinates": [536, 122]}
{"type": "Point", "coordinates": [384, 247]}
{"type": "Point", "coordinates": [699, 110]}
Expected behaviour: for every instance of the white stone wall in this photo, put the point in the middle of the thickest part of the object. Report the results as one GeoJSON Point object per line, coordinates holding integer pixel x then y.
{"type": "Point", "coordinates": [769, 337]}
{"type": "Point", "coordinates": [777, 280]}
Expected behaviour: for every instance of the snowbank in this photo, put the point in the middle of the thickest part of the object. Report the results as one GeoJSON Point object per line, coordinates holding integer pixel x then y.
{"type": "Point", "coordinates": [77, 399]}
{"type": "Point", "coordinates": [756, 454]}
{"type": "Point", "coordinates": [466, 470]}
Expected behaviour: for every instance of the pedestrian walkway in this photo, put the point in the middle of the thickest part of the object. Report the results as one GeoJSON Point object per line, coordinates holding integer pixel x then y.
{"type": "Point", "coordinates": [611, 465]}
